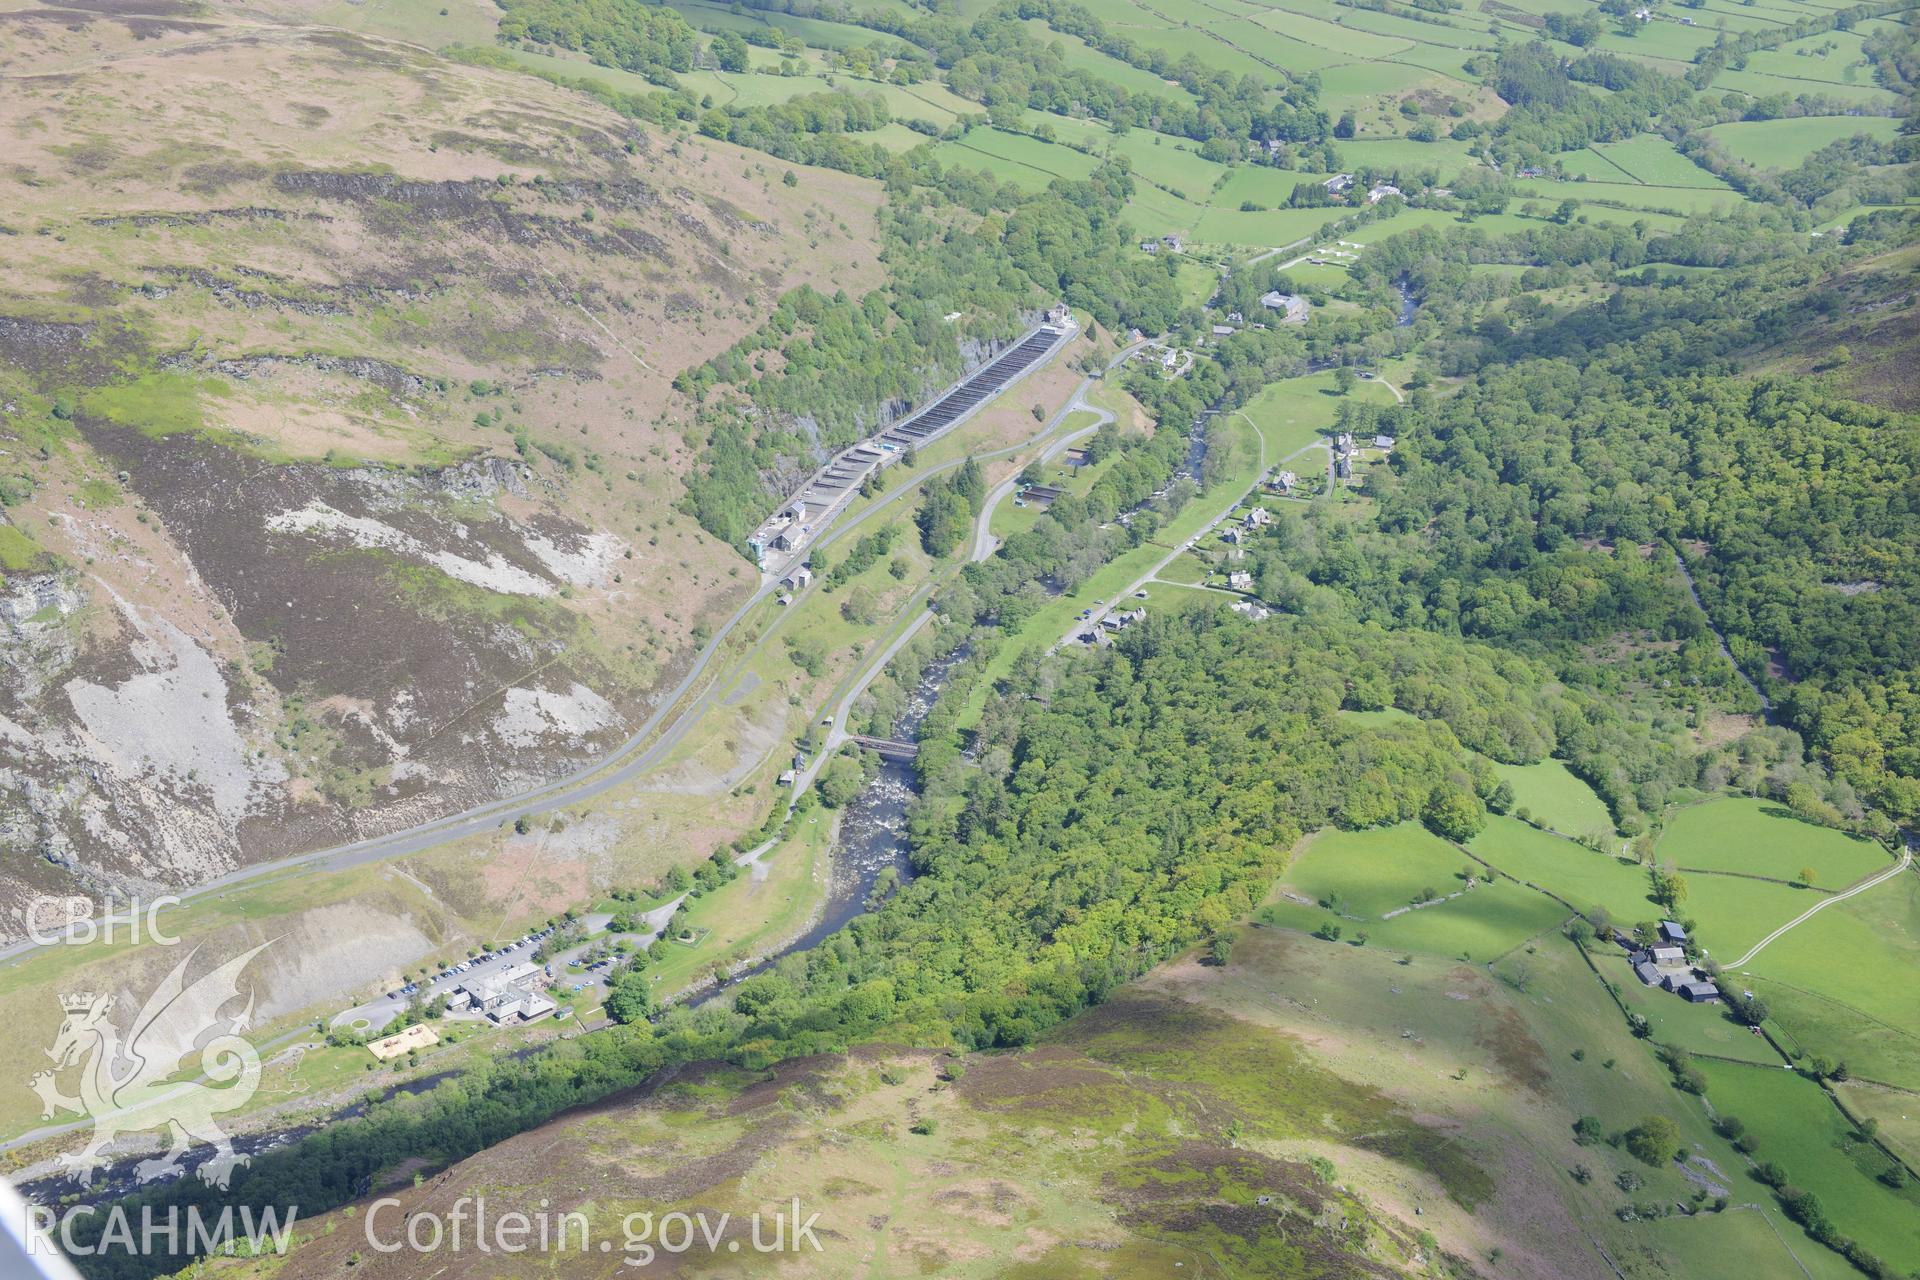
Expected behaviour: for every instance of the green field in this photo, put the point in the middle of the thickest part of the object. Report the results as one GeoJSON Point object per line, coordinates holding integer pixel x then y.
{"type": "Point", "coordinates": [1014, 157]}
{"type": "Point", "coordinates": [1555, 798]}
{"type": "Point", "coordinates": [1568, 870]}
{"type": "Point", "coordinates": [1838, 983]}
{"type": "Point", "coordinates": [1655, 162]}
{"type": "Point", "coordinates": [1761, 838]}
{"type": "Point", "coordinates": [1782, 144]}
{"type": "Point", "coordinates": [1801, 1130]}
{"type": "Point", "coordinates": [1369, 873]}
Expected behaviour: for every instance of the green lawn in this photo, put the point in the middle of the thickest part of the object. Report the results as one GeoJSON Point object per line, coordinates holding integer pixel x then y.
{"type": "Point", "coordinates": [1802, 1131]}
{"type": "Point", "coordinates": [1760, 837]}
{"type": "Point", "coordinates": [1556, 798]}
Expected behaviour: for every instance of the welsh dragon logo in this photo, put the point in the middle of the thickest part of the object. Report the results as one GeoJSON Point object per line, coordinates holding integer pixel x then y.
{"type": "Point", "coordinates": [124, 1084]}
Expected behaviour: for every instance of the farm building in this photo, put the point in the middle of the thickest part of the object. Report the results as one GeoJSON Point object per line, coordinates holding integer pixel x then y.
{"type": "Point", "coordinates": [1672, 934]}
{"type": "Point", "coordinates": [1699, 992]}
{"type": "Point", "coordinates": [1647, 973]}
{"type": "Point", "coordinates": [1668, 956]}
{"type": "Point", "coordinates": [1292, 307]}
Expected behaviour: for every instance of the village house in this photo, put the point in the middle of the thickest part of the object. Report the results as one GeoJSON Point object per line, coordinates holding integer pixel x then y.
{"type": "Point", "coordinates": [1240, 580]}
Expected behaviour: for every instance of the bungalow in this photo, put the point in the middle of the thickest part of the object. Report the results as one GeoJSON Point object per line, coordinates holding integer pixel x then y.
{"type": "Point", "coordinates": [1672, 934]}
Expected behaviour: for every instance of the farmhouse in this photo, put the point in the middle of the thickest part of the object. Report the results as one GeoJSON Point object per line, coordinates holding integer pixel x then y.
{"type": "Point", "coordinates": [1381, 192]}
{"type": "Point", "coordinates": [1338, 182]}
